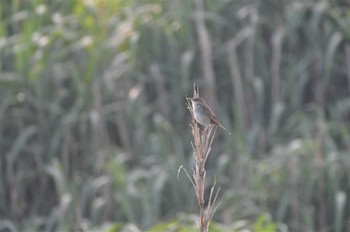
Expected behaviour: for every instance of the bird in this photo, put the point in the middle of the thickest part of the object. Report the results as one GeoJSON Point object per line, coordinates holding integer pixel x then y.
{"type": "Point", "coordinates": [203, 114]}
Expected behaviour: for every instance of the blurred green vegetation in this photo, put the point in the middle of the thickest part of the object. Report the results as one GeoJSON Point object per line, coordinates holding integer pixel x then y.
{"type": "Point", "coordinates": [93, 122]}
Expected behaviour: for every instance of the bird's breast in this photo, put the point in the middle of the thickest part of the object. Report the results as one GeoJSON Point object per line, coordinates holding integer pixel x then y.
{"type": "Point", "coordinates": [200, 117]}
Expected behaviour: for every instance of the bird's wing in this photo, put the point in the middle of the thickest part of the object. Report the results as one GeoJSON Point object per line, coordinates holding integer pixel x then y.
{"type": "Point", "coordinates": [212, 116]}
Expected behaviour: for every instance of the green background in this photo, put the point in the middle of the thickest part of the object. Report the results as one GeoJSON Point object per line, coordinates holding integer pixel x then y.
{"type": "Point", "coordinates": [94, 126]}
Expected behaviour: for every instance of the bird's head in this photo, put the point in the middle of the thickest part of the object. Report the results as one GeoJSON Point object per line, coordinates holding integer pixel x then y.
{"type": "Point", "coordinates": [197, 100]}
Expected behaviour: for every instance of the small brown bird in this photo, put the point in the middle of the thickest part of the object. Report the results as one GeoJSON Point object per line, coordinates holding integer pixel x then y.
{"type": "Point", "coordinates": [203, 114]}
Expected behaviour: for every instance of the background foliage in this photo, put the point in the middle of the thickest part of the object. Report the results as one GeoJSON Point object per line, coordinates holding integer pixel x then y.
{"type": "Point", "coordinates": [93, 123]}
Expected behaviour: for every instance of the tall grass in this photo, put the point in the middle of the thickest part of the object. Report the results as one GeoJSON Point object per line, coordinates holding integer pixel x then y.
{"type": "Point", "coordinates": [92, 111]}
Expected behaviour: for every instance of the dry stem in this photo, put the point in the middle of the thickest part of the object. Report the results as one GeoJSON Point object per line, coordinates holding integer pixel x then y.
{"type": "Point", "coordinates": [203, 140]}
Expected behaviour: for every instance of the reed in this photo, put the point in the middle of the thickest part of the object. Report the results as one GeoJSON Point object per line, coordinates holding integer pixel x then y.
{"type": "Point", "coordinates": [92, 118]}
{"type": "Point", "coordinates": [203, 140]}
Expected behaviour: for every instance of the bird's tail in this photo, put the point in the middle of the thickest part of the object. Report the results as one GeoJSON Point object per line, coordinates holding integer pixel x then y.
{"type": "Point", "coordinates": [225, 129]}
